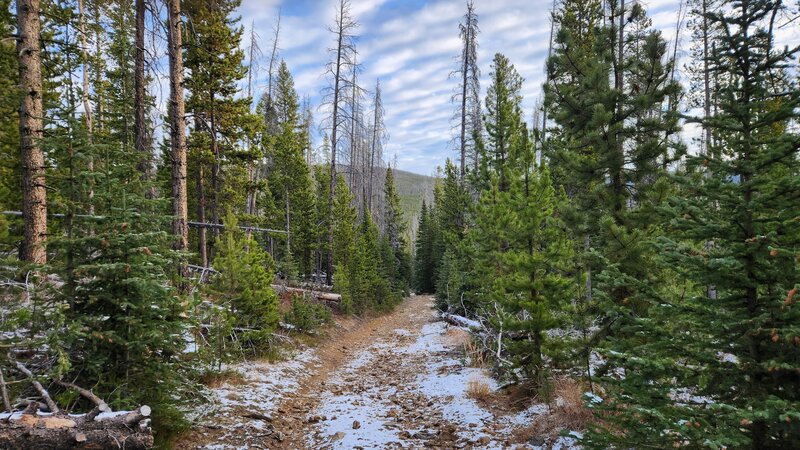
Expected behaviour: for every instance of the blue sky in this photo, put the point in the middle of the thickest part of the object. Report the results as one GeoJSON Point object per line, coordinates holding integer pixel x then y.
{"type": "Point", "coordinates": [411, 46]}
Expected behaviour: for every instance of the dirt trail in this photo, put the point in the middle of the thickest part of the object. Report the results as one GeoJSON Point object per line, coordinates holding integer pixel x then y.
{"type": "Point", "coordinates": [395, 381]}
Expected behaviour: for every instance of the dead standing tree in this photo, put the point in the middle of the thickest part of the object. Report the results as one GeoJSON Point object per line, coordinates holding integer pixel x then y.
{"type": "Point", "coordinates": [254, 55]}
{"type": "Point", "coordinates": [342, 64]}
{"type": "Point", "coordinates": [378, 137]}
{"type": "Point", "coordinates": [467, 96]}
{"type": "Point", "coordinates": [357, 138]}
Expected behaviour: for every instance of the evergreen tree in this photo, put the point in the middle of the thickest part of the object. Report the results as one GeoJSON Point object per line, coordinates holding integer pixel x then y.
{"type": "Point", "coordinates": [503, 115]}
{"type": "Point", "coordinates": [10, 196]}
{"type": "Point", "coordinates": [221, 119]}
{"type": "Point", "coordinates": [721, 372]}
{"type": "Point", "coordinates": [243, 286]}
{"type": "Point", "coordinates": [424, 257]}
{"type": "Point", "coordinates": [394, 232]}
{"type": "Point", "coordinates": [609, 94]}
{"type": "Point", "coordinates": [452, 274]}
{"type": "Point", "coordinates": [344, 245]}
{"type": "Point", "coordinates": [289, 179]}
{"type": "Point", "coordinates": [121, 315]}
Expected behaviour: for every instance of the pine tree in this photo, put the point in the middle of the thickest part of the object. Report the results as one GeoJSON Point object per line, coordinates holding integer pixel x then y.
{"type": "Point", "coordinates": [243, 287]}
{"type": "Point", "coordinates": [289, 179]}
{"type": "Point", "coordinates": [609, 94]}
{"type": "Point", "coordinates": [394, 232]}
{"type": "Point", "coordinates": [120, 313]}
{"type": "Point", "coordinates": [731, 380]}
{"type": "Point", "coordinates": [10, 198]}
{"type": "Point", "coordinates": [503, 115]}
{"type": "Point", "coordinates": [533, 287]}
{"type": "Point", "coordinates": [425, 260]}
{"type": "Point", "coordinates": [221, 119]}
{"type": "Point", "coordinates": [344, 245]}
{"type": "Point", "coordinates": [452, 274]}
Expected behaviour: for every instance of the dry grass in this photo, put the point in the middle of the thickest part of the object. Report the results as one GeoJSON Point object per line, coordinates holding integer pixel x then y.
{"type": "Point", "coordinates": [214, 380]}
{"type": "Point", "coordinates": [478, 390]}
{"type": "Point", "coordinates": [476, 354]}
{"type": "Point", "coordinates": [567, 411]}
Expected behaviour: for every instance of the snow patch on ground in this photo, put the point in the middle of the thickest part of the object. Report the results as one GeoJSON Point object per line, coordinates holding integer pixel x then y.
{"type": "Point", "coordinates": [266, 383]}
{"type": "Point", "coordinates": [343, 411]}
{"type": "Point", "coordinates": [429, 340]}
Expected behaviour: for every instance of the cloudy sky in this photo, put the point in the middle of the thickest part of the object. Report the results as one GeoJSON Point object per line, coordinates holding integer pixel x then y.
{"type": "Point", "coordinates": [411, 46]}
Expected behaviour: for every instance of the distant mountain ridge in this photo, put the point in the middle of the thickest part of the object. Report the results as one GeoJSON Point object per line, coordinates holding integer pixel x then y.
{"type": "Point", "coordinates": [413, 188]}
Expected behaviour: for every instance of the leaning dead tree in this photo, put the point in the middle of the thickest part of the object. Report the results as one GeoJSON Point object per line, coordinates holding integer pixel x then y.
{"type": "Point", "coordinates": [467, 97]}
{"type": "Point", "coordinates": [40, 424]}
{"type": "Point", "coordinates": [31, 131]}
{"type": "Point", "coordinates": [341, 65]}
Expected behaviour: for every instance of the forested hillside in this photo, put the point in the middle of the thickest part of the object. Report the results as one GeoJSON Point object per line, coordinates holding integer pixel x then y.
{"type": "Point", "coordinates": [196, 253]}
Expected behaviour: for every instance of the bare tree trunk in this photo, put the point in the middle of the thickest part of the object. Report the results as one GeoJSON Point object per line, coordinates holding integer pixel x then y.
{"type": "Point", "coordinates": [180, 227]}
{"type": "Point", "coordinates": [202, 241]}
{"type": "Point", "coordinates": [87, 105]}
{"type": "Point", "coordinates": [334, 132]}
{"type": "Point", "coordinates": [464, 80]}
{"type": "Point", "coordinates": [616, 177]}
{"type": "Point", "coordinates": [250, 204]}
{"type": "Point", "coordinates": [98, 90]}
{"type": "Point", "coordinates": [376, 131]}
{"type": "Point", "coordinates": [288, 225]}
{"type": "Point", "coordinates": [353, 138]}
{"type": "Point", "coordinates": [215, 170]}
{"type": "Point", "coordinates": [711, 289]}
{"type": "Point", "coordinates": [546, 81]}
{"type": "Point", "coordinates": [31, 131]}
{"type": "Point", "coordinates": [139, 99]}
{"type": "Point", "coordinates": [706, 80]}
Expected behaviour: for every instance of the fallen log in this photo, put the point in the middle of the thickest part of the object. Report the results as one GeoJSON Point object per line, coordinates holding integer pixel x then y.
{"type": "Point", "coordinates": [461, 321]}
{"type": "Point", "coordinates": [124, 429]}
{"type": "Point", "coordinates": [319, 295]}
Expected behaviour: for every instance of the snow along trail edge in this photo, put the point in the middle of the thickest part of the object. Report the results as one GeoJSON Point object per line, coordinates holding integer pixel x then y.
{"type": "Point", "coordinates": [394, 381]}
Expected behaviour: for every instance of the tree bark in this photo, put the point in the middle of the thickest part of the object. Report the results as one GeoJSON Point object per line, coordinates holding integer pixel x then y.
{"type": "Point", "coordinates": [180, 219]}
{"type": "Point", "coordinates": [87, 105]}
{"type": "Point", "coordinates": [31, 131]}
{"type": "Point", "coordinates": [29, 431]}
{"type": "Point", "coordinates": [139, 126]}
{"type": "Point", "coordinates": [202, 241]}
{"type": "Point", "coordinates": [334, 129]}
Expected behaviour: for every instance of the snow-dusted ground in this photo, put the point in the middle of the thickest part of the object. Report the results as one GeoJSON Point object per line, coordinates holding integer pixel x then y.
{"type": "Point", "coordinates": [399, 381]}
{"type": "Point", "coordinates": [260, 390]}
{"type": "Point", "coordinates": [410, 390]}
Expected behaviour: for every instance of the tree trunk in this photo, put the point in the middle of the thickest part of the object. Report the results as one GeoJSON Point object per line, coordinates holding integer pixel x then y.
{"type": "Point", "coordinates": [202, 241]}
{"type": "Point", "coordinates": [87, 105]}
{"type": "Point", "coordinates": [464, 80]}
{"type": "Point", "coordinates": [180, 227]}
{"type": "Point", "coordinates": [335, 126]}
{"type": "Point", "coordinates": [215, 168]}
{"type": "Point", "coordinates": [139, 98]}
{"type": "Point", "coordinates": [31, 131]}
{"type": "Point", "coordinates": [89, 431]}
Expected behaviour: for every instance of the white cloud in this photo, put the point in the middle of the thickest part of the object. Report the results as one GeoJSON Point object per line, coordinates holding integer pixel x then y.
{"type": "Point", "coordinates": [412, 44]}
